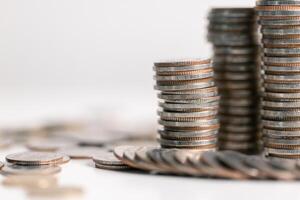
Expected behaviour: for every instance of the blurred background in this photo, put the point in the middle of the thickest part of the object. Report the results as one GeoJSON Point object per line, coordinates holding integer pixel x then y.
{"type": "Point", "coordinates": [64, 59]}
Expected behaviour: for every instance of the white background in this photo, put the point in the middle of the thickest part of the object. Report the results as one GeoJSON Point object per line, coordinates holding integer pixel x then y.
{"type": "Point", "coordinates": [60, 57]}
{"type": "Point", "coordinates": [67, 58]}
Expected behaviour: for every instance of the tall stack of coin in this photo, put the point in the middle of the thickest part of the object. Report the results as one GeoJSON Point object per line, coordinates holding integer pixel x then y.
{"type": "Point", "coordinates": [233, 33]}
{"type": "Point", "coordinates": [280, 28]}
{"type": "Point", "coordinates": [189, 104]}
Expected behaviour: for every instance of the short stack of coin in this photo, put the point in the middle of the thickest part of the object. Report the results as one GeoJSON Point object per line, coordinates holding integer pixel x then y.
{"type": "Point", "coordinates": [189, 104]}
{"type": "Point", "coordinates": [280, 28]}
{"type": "Point", "coordinates": [233, 33]}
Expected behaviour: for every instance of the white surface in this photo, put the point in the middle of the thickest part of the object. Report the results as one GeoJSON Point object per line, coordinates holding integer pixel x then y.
{"type": "Point", "coordinates": [72, 58]}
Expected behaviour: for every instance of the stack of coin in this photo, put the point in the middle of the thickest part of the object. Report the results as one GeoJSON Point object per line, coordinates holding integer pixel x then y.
{"type": "Point", "coordinates": [233, 33]}
{"type": "Point", "coordinates": [189, 104]}
{"type": "Point", "coordinates": [280, 28]}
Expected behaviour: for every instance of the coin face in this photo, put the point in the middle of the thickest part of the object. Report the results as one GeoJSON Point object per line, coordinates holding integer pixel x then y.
{"type": "Point", "coordinates": [34, 158]}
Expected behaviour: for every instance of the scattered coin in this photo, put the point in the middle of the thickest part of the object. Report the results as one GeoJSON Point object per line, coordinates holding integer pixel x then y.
{"type": "Point", "coordinates": [81, 152]}
{"type": "Point", "coordinates": [108, 160]}
{"type": "Point", "coordinates": [13, 169]}
{"type": "Point", "coordinates": [35, 158]}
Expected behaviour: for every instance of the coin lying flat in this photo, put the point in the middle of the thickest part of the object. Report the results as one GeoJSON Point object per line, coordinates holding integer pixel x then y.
{"type": "Point", "coordinates": [81, 152]}
{"type": "Point", "coordinates": [34, 158]}
{"type": "Point", "coordinates": [108, 159]}
{"type": "Point", "coordinates": [13, 169]}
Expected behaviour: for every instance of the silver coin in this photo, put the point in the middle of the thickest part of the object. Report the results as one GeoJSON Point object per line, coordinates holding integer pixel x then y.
{"type": "Point", "coordinates": [183, 107]}
{"type": "Point", "coordinates": [274, 104]}
{"type": "Point", "coordinates": [281, 69]}
{"type": "Point", "coordinates": [237, 110]}
{"type": "Point", "coordinates": [235, 137]}
{"type": "Point", "coordinates": [237, 146]}
{"type": "Point", "coordinates": [277, 2]}
{"type": "Point", "coordinates": [239, 102]}
{"type": "Point", "coordinates": [280, 32]}
{"type": "Point", "coordinates": [278, 13]}
{"type": "Point", "coordinates": [277, 41]}
{"type": "Point", "coordinates": [281, 59]}
{"type": "Point", "coordinates": [82, 152]}
{"type": "Point", "coordinates": [288, 78]}
{"type": "Point", "coordinates": [280, 114]}
{"type": "Point", "coordinates": [281, 124]}
{"type": "Point", "coordinates": [192, 143]}
{"type": "Point", "coordinates": [182, 62]}
{"type": "Point", "coordinates": [235, 85]}
{"type": "Point", "coordinates": [164, 114]}
{"type": "Point", "coordinates": [237, 128]}
{"type": "Point", "coordinates": [235, 76]}
{"type": "Point", "coordinates": [191, 92]}
{"type": "Point", "coordinates": [12, 169]}
{"type": "Point", "coordinates": [182, 68]}
{"type": "Point", "coordinates": [282, 95]}
{"type": "Point", "coordinates": [195, 101]}
{"type": "Point", "coordinates": [34, 158]}
{"type": "Point", "coordinates": [283, 52]}
{"type": "Point", "coordinates": [186, 86]}
{"type": "Point", "coordinates": [188, 134]}
{"type": "Point", "coordinates": [200, 123]}
{"type": "Point", "coordinates": [281, 86]}
{"type": "Point", "coordinates": [232, 12]}
{"type": "Point", "coordinates": [235, 50]}
{"type": "Point", "coordinates": [187, 96]}
{"type": "Point", "coordinates": [282, 151]}
{"type": "Point", "coordinates": [235, 161]}
{"type": "Point", "coordinates": [236, 120]}
{"type": "Point", "coordinates": [278, 22]}
{"type": "Point", "coordinates": [234, 68]}
{"type": "Point", "coordinates": [111, 167]}
{"type": "Point", "coordinates": [281, 133]}
{"type": "Point", "coordinates": [184, 77]}
{"type": "Point", "coordinates": [266, 169]}
{"type": "Point", "coordinates": [273, 141]}
{"type": "Point", "coordinates": [142, 160]}
{"type": "Point", "coordinates": [107, 158]}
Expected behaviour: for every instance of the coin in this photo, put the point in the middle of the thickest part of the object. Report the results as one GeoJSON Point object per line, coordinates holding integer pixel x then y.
{"type": "Point", "coordinates": [34, 158]}
{"type": "Point", "coordinates": [81, 152]}
{"type": "Point", "coordinates": [13, 169]}
{"type": "Point", "coordinates": [56, 192]}
{"type": "Point", "coordinates": [107, 158]}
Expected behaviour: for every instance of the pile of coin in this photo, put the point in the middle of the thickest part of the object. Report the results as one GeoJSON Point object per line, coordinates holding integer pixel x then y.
{"type": "Point", "coordinates": [280, 28]}
{"type": "Point", "coordinates": [33, 163]}
{"type": "Point", "coordinates": [220, 164]}
{"type": "Point", "coordinates": [233, 33]}
{"type": "Point", "coordinates": [189, 104]}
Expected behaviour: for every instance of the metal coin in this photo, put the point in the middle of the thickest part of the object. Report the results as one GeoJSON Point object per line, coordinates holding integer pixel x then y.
{"type": "Point", "coordinates": [184, 77]}
{"type": "Point", "coordinates": [107, 158]}
{"type": "Point", "coordinates": [281, 124]}
{"type": "Point", "coordinates": [200, 123]}
{"type": "Point", "coordinates": [34, 158]}
{"type": "Point", "coordinates": [180, 143]}
{"type": "Point", "coordinates": [182, 62]}
{"type": "Point", "coordinates": [182, 68]}
{"type": "Point", "coordinates": [188, 134]}
{"type": "Point", "coordinates": [82, 152]}
{"type": "Point", "coordinates": [13, 169]}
